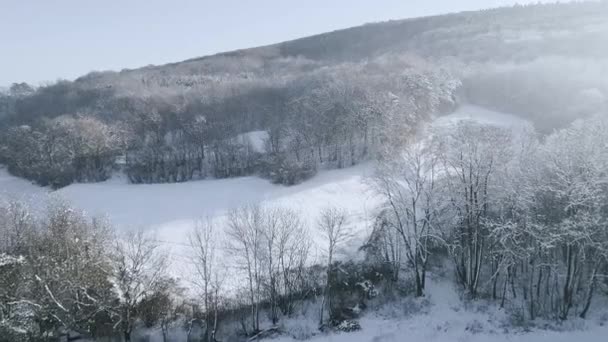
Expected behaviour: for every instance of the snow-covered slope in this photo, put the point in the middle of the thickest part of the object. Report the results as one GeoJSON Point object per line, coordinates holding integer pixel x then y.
{"type": "Point", "coordinates": [442, 317]}
{"type": "Point", "coordinates": [171, 210]}
{"type": "Point", "coordinates": [14, 188]}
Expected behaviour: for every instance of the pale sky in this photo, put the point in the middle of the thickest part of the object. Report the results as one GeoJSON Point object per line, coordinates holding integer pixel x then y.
{"type": "Point", "coordinates": [45, 40]}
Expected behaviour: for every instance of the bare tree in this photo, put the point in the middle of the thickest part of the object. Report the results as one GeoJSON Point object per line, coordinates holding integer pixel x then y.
{"type": "Point", "coordinates": [333, 224]}
{"type": "Point", "coordinates": [285, 251]}
{"type": "Point", "coordinates": [139, 270]}
{"type": "Point", "coordinates": [292, 245]}
{"type": "Point", "coordinates": [407, 184]}
{"type": "Point", "coordinates": [470, 156]}
{"type": "Point", "coordinates": [204, 241]}
{"type": "Point", "coordinates": [271, 252]}
{"type": "Point", "coordinates": [245, 232]}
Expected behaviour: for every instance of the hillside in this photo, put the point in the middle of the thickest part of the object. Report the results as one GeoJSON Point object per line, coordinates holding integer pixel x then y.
{"type": "Point", "coordinates": [440, 178]}
{"type": "Point", "coordinates": [324, 100]}
{"type": "Point", "coordinates": [171, 212]}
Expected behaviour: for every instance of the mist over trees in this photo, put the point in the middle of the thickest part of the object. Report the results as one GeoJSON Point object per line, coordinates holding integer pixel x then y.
{"type": "Point", "coordinates": [322, 102]}
{"type": "Point", "coordinates": [519, 214]}
{"type": "Point", "coordinates": [329, 118]}
{"type": "Point", "coordinates": [521, 219]}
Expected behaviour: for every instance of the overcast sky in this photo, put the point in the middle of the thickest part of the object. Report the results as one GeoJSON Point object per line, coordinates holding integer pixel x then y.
{"type": "Point", "coordinates": [44, 40]}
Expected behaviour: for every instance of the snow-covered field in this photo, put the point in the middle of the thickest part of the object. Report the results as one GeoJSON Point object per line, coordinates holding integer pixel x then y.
{"type": "Point", "coordinates": [172, 210]}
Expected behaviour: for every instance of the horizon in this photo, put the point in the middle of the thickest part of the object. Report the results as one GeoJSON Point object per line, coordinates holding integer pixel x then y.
{"type": "Point", "coordinates": [131, 31]}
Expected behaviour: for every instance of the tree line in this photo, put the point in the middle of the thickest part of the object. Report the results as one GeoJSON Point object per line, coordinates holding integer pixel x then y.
{"type": "Point", "coordinates": [67, 277]}
{"type": "Point", "coordinates": [522, 217]}
{"type": "Point", "coordinates": [334, 117]}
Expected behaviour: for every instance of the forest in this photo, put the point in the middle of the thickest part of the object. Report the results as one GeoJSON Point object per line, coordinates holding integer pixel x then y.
{"type": "Point", "coordinates": [515, 216]}
{"type": "Point", "coordinates": [324, 101]}
{"type": "Point", "coordinates": [522, 222]}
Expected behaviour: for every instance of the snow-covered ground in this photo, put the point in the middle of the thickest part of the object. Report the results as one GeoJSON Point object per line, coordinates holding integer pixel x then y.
{"type": "Point", "coordinates": [444, 318]}
{"type": "Point", "coordinates": [481, 115]}
{"type": "Point", "coordinates": [255, 139]}
{"type": "Point", "coordinates": [171, 211]}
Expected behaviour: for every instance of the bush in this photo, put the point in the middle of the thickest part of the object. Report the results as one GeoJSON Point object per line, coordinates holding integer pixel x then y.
{"type": "Point", "coordinates": [348, 326]}
{"type": "Point", "coordinates": [283, 170]}
{"type": "Point", "coordinates": [352, 286]}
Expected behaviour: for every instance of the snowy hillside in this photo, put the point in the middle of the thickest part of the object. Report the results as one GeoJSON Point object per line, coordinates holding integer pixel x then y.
{"type": "Point", "coordinates": [172, 210]}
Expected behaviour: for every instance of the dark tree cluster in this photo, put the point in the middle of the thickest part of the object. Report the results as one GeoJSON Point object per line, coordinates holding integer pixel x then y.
{"type": "Point", "coordinates": [321, 101]}
{"type": "Point", "coordinates": [284, 129]}
{"type": "Point", "coordinates": [523, 219]}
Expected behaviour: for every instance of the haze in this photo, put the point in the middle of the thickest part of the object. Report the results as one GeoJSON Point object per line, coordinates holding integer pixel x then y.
{"type": "Point", "coordinates": [49, 40]}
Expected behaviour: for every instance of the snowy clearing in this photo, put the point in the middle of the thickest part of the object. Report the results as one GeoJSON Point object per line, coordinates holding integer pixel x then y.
{"type": "Point", "coordinates": [172, 210]}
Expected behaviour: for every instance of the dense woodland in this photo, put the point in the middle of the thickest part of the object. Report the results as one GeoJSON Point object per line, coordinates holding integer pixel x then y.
{"type": "Point", "coordinates": [518, 216]}
{"type": "Point", "coordinates": [324, 101]}
{"type": "Point", "coordinates": [520, 221]}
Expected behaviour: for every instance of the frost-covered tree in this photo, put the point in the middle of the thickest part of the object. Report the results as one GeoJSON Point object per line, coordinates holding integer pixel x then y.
{"type": "Point", "coordinates": [407, 184]}
{"type": "Point", "coordinates": [470, 156]}
{"type": "Point", "coordinates": [209, 273]}
{"type": "Point", "coordinates": [245, 239]}
{"type": "Point", "coordinates": [138, 272]}
{"type": "Point", "coordinates": [333, 224]}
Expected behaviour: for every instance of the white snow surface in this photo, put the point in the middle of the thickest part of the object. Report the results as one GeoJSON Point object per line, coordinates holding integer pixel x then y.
{"type": "Point", "coordinates": [171, 210]}
{"type": "Point", "coordinates": [482, 115]}
{"type": "Point", "coordinates": [446, 319]}
{"type": "Point", "coordinates": [255, 139]}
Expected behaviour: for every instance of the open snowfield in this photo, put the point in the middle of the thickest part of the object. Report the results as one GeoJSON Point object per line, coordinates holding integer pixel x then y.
{"type": "Point", "coordinates": [172, 210]}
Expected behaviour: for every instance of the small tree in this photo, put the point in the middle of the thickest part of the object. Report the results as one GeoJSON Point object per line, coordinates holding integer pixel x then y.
{"type": "Point", "coordinates": [245, 233]}
{"type": "Point", "coordinates": [203, 241]}
{"type": "Point", "coordinates": [408, 186]}
{"type": "Point", "coordinates": [139, 269]}
{"type": "Point", "coordinates": [333, 225]}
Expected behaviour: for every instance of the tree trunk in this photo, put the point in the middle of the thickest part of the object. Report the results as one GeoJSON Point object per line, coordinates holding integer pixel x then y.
{"type": "Point", "coordinates": [590, 291]}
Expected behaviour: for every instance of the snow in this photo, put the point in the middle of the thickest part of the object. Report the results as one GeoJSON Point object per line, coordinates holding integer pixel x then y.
{"type": "Point", "coordinates": [442, 317]}
{"type": "Point", "coordinates": [14, 188]}
{"type": "Point", "coordinates": [482, 115]}
{"type": "Point", "coordinates": [256, 139]}
{"type": "Point", "coordinates": [6, 260]}
{"type": "Point", "coordinates": [171, 210]}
